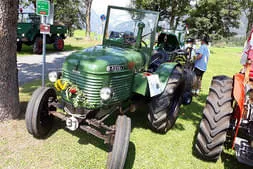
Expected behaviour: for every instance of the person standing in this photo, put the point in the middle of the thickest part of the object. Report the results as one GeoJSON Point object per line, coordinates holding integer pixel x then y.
{"type": "Point", "coordinates": [200, 65]}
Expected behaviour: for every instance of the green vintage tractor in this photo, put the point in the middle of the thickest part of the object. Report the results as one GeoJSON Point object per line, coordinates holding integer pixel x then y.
{"type": "Point", "coordinates": [110, 79]}
{"type": "Point", "coordinates": [28, 32]}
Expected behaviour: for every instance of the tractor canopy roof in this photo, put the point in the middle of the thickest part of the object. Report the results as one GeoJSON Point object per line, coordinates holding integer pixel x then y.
{"type": "Point", "coordinates": [124, 26]}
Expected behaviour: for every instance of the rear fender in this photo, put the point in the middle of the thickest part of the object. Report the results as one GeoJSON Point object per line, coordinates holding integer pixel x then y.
{"type": "Point", "coordinates": [141, 82]}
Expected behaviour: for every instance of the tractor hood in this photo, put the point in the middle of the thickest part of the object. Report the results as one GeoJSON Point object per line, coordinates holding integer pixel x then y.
{"type": "Point", "coordinates": [23, 29]}
{"type": "Point", "coordinates": [102, 60]}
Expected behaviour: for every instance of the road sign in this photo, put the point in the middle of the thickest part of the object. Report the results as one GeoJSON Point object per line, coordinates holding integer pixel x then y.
{"type": "Point", "coordinates": [44, 29]}
{"type": "Point", "coordinates": [103, 17]}
{"type": "Point", "coordinates": [42, 7]}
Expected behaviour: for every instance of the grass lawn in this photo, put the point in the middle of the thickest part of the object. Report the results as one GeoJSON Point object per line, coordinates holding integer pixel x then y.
{"type": "Point", "coordinates": [147, 150]}
{"type": "Point", "coordinates": [77, 42]}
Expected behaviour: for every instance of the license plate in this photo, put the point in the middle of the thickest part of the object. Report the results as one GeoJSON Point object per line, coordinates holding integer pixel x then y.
{"type": "Point", "coordinates": [72, 123]}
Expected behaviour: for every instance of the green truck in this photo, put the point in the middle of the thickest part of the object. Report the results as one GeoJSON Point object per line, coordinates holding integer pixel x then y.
{"type": "Point", "coordinates": [102, 84]}
{"type": "Point", "coordinates": [28, 32]}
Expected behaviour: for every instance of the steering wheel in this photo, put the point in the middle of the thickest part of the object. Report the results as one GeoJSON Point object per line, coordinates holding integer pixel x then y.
{"type": "Point", "coordinates": [156, 60]}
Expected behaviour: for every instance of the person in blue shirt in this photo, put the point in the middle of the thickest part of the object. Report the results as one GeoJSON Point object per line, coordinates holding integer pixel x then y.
{"type": "Point", "coordinates": [200, 65]}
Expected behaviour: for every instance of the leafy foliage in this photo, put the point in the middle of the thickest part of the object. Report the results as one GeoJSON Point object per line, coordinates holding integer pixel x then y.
{"type": "Point", "coordinates": [214, 18]}
{"type": "Point", "coordinates": [207, 17]}
{"type": "Point", "coordinates": [247, 6]}
{"type": "Point", "coordinates": [171, 10]}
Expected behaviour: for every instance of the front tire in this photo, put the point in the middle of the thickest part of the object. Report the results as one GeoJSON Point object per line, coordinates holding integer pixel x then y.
{"type": "Point", "coordinates": [59, 44]}
{"type": "Point", "coordinates": [216, 119]}
{"type": "Point", "coordinates": [117, 157]}
{"type": "Point", "coordinates": [38, 120]}
{"type": "Point", "coordinates": [163, 109]}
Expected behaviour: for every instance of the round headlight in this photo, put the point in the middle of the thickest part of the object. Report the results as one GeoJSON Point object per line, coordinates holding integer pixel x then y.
{"type": "Point", "coordinates": [52, 76]}
{"type": "Point", "coordinates": [23, 35]}
{"type": "Point", "coordinates": [106, 93]}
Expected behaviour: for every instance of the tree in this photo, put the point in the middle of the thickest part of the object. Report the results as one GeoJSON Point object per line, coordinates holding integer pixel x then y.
{"type": "Point", "coordinates": [214, 18]}
{"type": "Point", "coordinates": [171, 10]}
{"type": "Point", "coordinates": [88, 4]}
{"type": "Point", "coordinates": [247, 7]}
{"type": "Point", "coordinates": [67, 12]}
{"type": "Point", "coordinates": [9, 102]}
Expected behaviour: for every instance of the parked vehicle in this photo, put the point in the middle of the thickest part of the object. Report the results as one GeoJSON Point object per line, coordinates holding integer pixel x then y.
{"type": "Point", "coordinates": [28, 32]}
{"type": "Point", "coordinates": [110, 79]}
{"type": "Point", "coordinates": [228, 115]}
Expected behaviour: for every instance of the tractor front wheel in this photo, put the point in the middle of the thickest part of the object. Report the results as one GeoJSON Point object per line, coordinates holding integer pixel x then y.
{"type": "Point", "coordinates": [117, 157]}
{"type": "Point", "coordinates": [216, 119]}
{"type": "Point", "coordinates": [59, 43]}
{"type": "Point", "coordinates": [38, 120]}
{"type": "Point", "coordinates": [163, 109]}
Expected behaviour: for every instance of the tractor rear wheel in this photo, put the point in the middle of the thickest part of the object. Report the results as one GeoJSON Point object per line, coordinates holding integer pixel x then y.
{"type": "Point", "coordinates": [37, 46]}
{"type": "Point", "coordinates": [117, 157]}
{"type": "Point", "coordinates": [163, 109]}
{"type": "Point", "coordinates": [38, 120]}
{"type": "Point", "coordinates": [216, 119]}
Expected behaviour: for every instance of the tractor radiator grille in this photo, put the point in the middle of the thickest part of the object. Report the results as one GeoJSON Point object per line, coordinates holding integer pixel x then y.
{"type": "Point", "coordinates": [91, 85]}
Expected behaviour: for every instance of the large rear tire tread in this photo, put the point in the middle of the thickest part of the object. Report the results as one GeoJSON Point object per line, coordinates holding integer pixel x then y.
{"type": "Point", "coordinates": [216, 119]}
{"type": "Point", "coordinates": [163, 120]}
{"type": "Point", "coordinates": [117, 157]}
{"type": "Point", "coordinates": [38, 121]}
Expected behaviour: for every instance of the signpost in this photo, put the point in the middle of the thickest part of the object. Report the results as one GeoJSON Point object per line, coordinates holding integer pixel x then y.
{"type": "Point", "coordinates": [102, 18]}
{"type": "Point", "coordinates": [43, 9]}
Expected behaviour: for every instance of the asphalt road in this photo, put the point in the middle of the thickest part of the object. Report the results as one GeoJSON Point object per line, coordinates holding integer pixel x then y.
{"type": "Point", "coordinates": [30, 67]}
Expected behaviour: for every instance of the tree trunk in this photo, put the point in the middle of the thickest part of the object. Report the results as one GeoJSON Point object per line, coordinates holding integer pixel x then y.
{"type": "Point", "coordinates": [172, 17]}
{"type": "Point", "coordinates": [250, 21]}
{"type": "Point", "coordinates": [88, 4]}
{"type": "Point", "coordinates": [9, 101]}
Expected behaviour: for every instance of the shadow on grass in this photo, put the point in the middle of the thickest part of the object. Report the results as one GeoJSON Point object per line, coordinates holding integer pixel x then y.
{"type": "Point", "coordinates": [85, 138]}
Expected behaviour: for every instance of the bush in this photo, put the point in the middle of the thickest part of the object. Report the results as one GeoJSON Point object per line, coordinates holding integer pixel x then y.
{"type": "Point", "coordinates": [229, 42]}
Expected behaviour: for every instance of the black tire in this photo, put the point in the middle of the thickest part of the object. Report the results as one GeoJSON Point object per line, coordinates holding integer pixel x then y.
{"type": "Point", "coordinates": [163, 109]}
{"type": "Point", "coordinates": [117, 157]}
{"type": "Point", "coordinates": [37, 46]}
{"type": "Point", "coordinates": [216, 119]}
{"type": "Point", "coordinates": [59, 44]}
{"type": "Point", "coordinates": [38, 120]}
{"type": "Point", "coordinates": [19, 46]}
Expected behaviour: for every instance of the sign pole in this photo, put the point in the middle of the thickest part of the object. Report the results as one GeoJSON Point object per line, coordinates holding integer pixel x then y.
{"type": "Point", "coordinates": [43, 9]}
{"type": "Point", "coordinates": [103, 18]}
{"type": "Point", "coordinates": [44, 55]}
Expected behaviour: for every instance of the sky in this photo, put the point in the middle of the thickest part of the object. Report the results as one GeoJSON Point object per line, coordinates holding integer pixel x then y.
{"type": "Point", "coordinates": [100, 6]}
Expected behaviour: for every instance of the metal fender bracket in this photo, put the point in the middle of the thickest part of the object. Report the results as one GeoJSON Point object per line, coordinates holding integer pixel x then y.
{"type": "Point", "coordinates": [244, 152]}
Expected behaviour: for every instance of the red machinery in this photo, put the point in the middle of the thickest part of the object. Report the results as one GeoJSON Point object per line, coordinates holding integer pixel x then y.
{"type": "Point", "coordinates": [228, 113]}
